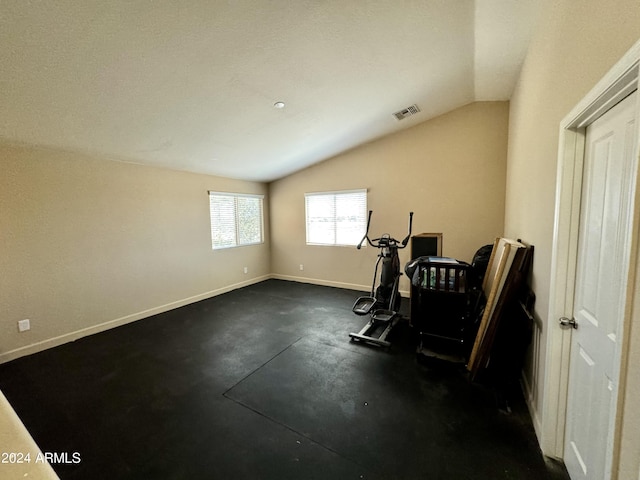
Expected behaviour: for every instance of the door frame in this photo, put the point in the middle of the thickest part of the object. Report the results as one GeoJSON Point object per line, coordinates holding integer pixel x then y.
{"type": "Point", "coordinates": [619, 82]}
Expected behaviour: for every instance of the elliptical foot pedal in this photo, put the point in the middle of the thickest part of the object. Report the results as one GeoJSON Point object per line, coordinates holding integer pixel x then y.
{"type": "Point", "coordinates": [363, 305]}
{"type": "Point", "coordinates": [383, 316]}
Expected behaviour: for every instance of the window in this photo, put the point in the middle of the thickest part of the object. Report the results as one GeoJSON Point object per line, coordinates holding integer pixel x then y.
{"type": "Point", "coordinates": [236, 219]}
{"type": "Point", "coordinates": [336, 218]}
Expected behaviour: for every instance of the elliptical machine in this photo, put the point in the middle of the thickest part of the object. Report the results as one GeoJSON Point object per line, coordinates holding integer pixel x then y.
{"type": "Point", "coordinates": [384, 302]}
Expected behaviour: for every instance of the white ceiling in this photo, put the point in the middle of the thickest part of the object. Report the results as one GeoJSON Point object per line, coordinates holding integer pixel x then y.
{"type": "Point", "coordinates": [191, 84]}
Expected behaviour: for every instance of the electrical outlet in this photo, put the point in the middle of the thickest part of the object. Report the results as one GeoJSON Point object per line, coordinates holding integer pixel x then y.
{"type": "Point", "coordinates": [24, 325]}
{"type": "Point", "coordinates": [246, 269]}
{"type": "Point", "coordinates": [301, 267]}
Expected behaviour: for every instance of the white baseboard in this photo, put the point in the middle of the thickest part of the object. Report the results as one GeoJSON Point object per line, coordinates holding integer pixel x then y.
{"type": "Point", "coordinates": [330, 283]}
{"type": "Point", "coordinates": [117, 322]}
{"type": "Point", "coordinates": [325, 283]}
{"type": "Point", "coordinates": [533, 411]}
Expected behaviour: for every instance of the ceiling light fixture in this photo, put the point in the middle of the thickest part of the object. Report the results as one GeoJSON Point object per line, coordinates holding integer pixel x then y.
{"type": "Point", "coordinates": [279, 104]}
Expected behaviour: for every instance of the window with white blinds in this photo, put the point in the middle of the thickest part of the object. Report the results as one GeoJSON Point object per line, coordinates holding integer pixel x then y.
{"type": "Point", "coordinates": [236, 219]}
{"type": "Point", "coordinates": [336, 218]}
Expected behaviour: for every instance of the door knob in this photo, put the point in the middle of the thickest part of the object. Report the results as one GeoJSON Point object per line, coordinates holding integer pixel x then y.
{"type": "Point", "coordinates": [568, 322]}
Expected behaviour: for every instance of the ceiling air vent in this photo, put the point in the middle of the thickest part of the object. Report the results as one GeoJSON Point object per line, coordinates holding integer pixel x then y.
{"type": "Point", "coordinates": [406, 112]}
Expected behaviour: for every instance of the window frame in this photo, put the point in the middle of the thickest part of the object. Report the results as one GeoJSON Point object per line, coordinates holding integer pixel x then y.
{"type": "Point", "coordinates": [335, 193]}
{"type": "Point", "coordinates": [236, 223]}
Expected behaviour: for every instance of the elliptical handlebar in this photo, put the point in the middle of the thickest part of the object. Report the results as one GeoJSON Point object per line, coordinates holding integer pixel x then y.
{"type": "Point", "coordinates": [406, 239]}
{"type": "Point", "coordinates": [366, 234]}
{"type": "Point", "coordinates": [385, 240]}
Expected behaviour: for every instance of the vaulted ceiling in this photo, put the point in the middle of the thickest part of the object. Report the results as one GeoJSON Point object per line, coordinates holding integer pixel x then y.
{"type": "Point", "coordinates": [191, 84]}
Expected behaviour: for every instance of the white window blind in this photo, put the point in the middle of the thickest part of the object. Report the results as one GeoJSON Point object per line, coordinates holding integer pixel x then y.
{"type": "Point", "coordinates": [236, 219]}
{"type": "Point", "coordinates": [336, 218]}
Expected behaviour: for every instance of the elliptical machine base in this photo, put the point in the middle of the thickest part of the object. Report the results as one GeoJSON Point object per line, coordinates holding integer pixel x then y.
{"type": "Point", "coordinates": [376, 331]}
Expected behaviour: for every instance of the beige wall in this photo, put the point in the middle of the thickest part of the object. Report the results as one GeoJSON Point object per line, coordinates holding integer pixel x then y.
{"type": "Point", "coordinates": [450, 171]}
{"type": "Point", "coordinates": [89, 244]}
{"type": "Point", "coordinates": [85, 242]}
{"type": "Point", "coordinates": [573, 48]}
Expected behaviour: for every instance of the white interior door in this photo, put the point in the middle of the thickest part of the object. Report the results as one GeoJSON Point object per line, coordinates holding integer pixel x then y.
{"type": "Point", "coordinates": [603, 262]}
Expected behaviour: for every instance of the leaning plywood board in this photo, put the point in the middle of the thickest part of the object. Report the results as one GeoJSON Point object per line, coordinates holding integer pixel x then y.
{"type": "Point", "coordinates": [507, 254]}
{"type": "Point", "coordinates": [491, 286]}
{"type": "Point", "coordinates": [512, 285]}
{"type": "Point", "coordinates": [492, 267]}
